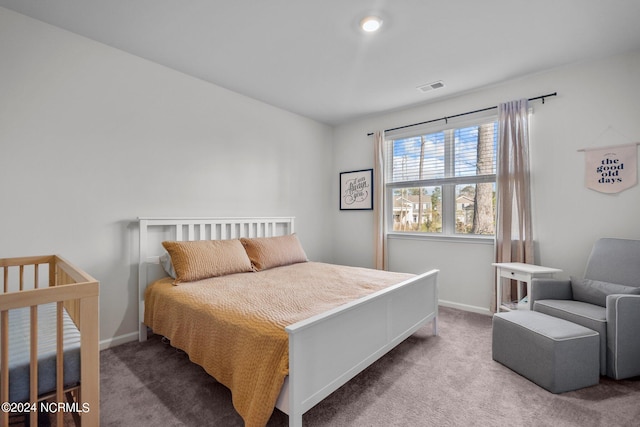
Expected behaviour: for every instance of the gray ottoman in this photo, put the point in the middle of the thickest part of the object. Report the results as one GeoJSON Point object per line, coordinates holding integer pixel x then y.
{"type": "Point", "coordinates": [554, 353]}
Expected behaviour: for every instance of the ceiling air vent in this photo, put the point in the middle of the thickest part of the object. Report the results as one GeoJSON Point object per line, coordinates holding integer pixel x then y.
{"type": "Point", "coordinates": [430, 86]}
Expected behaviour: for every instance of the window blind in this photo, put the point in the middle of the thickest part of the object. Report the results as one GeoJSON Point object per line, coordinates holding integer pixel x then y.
{"type": "Point", "coordinates": [426, 156]}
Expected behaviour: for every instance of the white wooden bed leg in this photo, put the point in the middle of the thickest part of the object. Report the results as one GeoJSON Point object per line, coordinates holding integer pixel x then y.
{"type": "Point", "coordinates": [142, 278]}
{"type": "Point", "coordinates": [295, 420]}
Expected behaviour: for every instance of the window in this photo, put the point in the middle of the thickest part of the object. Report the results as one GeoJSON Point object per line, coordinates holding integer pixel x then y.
{"type": "Point", "coordinates": [443, 182]}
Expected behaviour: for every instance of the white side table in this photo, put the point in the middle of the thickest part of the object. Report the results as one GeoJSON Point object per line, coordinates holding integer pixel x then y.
{"type": "Point", "coordinates": [522, 273]}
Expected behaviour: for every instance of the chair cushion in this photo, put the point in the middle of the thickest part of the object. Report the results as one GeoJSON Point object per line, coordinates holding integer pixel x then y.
{"type": "Point", "coordinates": [595, 291]}
{"type": "Point", "coordinates": [588, 315]}
{"type": "Point", "coordinates": [614, 260]}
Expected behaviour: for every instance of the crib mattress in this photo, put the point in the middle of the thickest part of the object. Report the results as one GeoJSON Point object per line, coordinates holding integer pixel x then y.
{"type": "Point", "coordinates": [19, 351]}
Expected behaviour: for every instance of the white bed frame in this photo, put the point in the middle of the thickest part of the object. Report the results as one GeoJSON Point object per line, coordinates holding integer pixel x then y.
{"type": "Point", "coordinates": [326, 350]}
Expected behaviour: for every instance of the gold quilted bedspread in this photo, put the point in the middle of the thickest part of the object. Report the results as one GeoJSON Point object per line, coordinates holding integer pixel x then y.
{"type": "Point", "coordinates": [233, 326]}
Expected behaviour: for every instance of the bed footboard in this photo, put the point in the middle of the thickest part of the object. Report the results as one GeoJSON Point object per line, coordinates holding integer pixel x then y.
{"type": "Point", "coordinates": [35, 281]}
{"type": "Point", "coordinates": [329, 349]}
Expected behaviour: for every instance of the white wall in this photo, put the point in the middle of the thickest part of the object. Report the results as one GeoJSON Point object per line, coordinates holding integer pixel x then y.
{"type": "Point", "coordinates": [91, 138]}
{"type": "Point", "coordinates": [598, 104]}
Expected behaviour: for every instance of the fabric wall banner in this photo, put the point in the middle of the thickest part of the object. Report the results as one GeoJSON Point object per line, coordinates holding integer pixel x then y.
{"type": "Point", "coordinates": [611, 169]}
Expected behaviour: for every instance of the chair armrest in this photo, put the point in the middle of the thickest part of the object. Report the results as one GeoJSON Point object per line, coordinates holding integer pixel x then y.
{"type": "Point", "coordinates": [623, 336]}
{"type": "Point", "coordinates": [550, 289]}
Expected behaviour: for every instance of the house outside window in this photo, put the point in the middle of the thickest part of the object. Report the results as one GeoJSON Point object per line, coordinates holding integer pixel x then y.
{"type": "Point", "coordinates": [443, 181]}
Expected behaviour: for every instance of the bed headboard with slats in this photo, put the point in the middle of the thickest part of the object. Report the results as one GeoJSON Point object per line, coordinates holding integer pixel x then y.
{"type": "Point", "coordinates": [153, 231]}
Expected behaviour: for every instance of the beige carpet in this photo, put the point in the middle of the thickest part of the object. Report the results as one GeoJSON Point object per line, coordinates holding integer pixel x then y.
{"type": "Point", "coordinates": [448, 380]}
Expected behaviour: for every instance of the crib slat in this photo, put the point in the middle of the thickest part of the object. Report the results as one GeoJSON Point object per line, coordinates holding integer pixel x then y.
{"type": "Point", "coordinates": [59, 361]}
{"type": "Point", "coordinates": [52, 274]}
{"type": "Point", "coordinates": [6, 279]}
{"type": "Point", "coordinates": [33, 363]}
{"type": "Point", "coordinates": [4, 362]}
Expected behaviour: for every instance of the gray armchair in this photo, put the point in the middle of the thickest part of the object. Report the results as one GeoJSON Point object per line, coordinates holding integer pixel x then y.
{"type": "Point", "coordinates": [607, 300]}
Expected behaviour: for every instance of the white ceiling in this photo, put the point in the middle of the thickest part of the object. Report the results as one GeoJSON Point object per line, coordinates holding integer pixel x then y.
{"type": "Point", "coordinates": [309, 57]}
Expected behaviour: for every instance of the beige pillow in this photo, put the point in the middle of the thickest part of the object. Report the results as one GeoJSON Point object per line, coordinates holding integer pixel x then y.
{"type": "Point", "coordinates": [270, 252]}
{"type": "Point", "coordinates": [206, 258]}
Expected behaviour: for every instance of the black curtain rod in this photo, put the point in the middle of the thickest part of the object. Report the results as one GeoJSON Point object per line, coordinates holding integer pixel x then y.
{"type": "Point", "coordinates": [446, 118]}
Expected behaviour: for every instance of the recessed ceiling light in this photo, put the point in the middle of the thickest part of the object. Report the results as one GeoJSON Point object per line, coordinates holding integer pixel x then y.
{"type": "Point", "coordinates": [371, 24]}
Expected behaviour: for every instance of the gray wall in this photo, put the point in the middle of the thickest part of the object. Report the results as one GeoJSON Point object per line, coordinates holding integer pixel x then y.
{"type": "Point", "coordinates": [598, 104]}
{"type": "Point", "coordinates": [91, 138]}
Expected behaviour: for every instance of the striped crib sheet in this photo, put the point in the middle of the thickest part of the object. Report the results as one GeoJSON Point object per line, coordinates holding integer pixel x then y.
{"type": "Point", "coordinates": [19, 351]}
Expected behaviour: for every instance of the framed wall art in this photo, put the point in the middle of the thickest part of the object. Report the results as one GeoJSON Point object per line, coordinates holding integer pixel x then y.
{"type": "Point", "coordinates": [356, 190]}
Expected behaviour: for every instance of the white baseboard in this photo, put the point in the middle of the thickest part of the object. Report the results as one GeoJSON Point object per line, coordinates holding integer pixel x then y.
{"type": "Point", "coordinates": [121, 339]}
{"type": "Point", "coordinates": [465, 307]}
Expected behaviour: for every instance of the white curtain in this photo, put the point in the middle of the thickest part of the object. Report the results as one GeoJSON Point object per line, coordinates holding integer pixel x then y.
{"type": "Point", "coordinates": [514, 240]}
{"type": "Point", "coordinates": [380, 235]}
